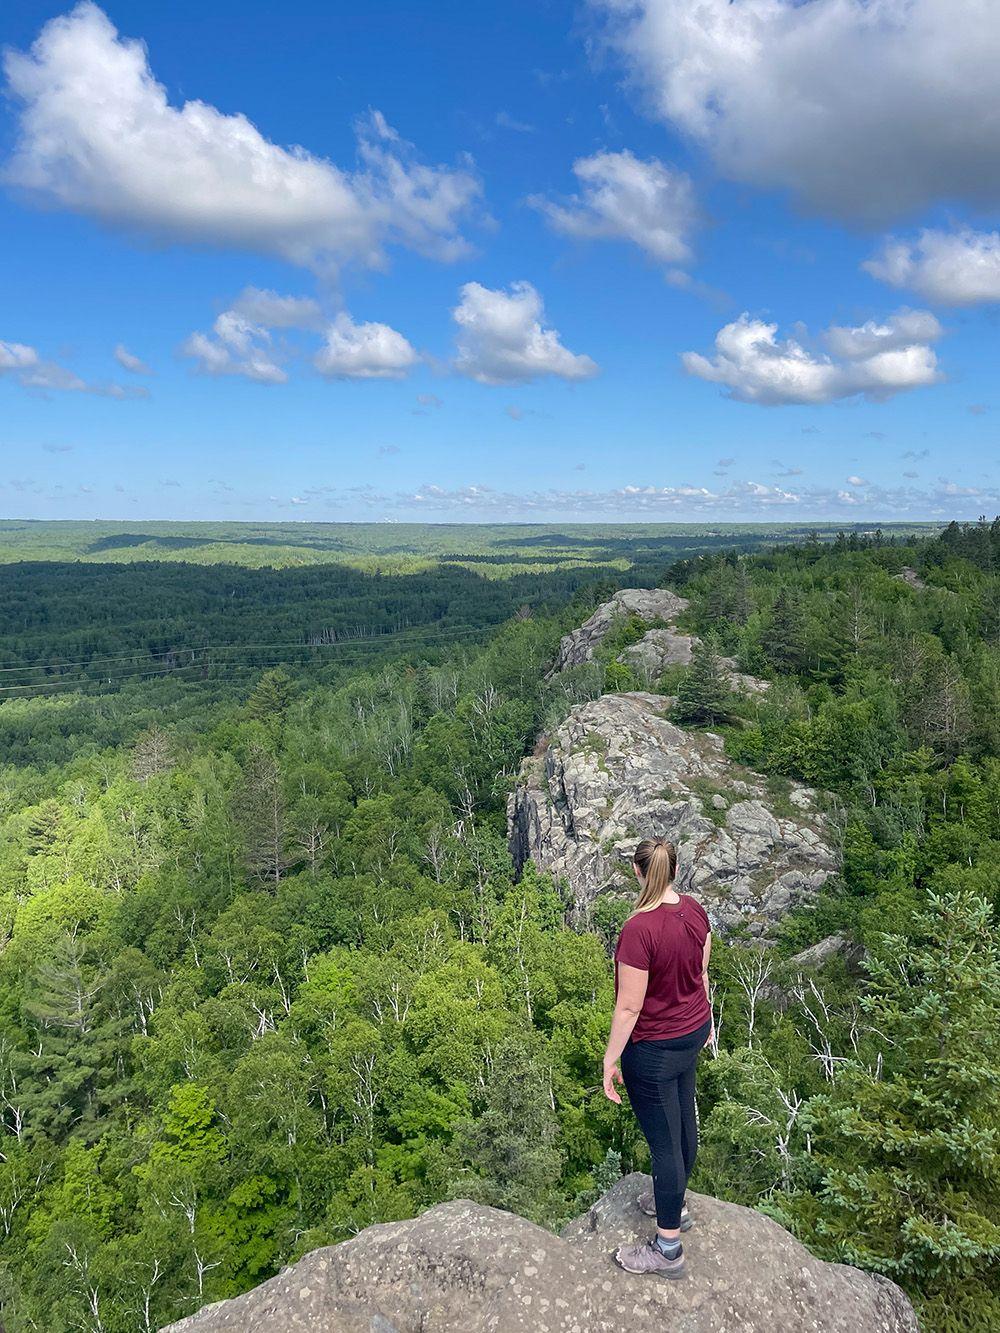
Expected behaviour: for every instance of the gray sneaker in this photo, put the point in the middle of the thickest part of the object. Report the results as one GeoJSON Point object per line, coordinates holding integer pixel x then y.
{"type": "Point", "coordinates": [650, 1260]}
{"type": "Point", "coordinates": [647, 1205]}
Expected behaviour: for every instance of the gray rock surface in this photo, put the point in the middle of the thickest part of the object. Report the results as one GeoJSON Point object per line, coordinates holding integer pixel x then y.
{"type": "Point", "coordinates": [833, 946]}
{"type": "Point", "coordinates": [910, 577]}
{"type": "Point", "coordinates": [649, 603]}
{"type": "Point", "coordinates": [659, 648]}
{"type": "Point", "coordinates": [463, 1268]}
{"type": "Point", "coordinates": [617, 770]}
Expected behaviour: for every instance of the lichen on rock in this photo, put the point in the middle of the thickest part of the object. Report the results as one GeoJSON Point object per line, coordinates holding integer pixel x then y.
{"type": "Point", "coordinates": [465, 1268]}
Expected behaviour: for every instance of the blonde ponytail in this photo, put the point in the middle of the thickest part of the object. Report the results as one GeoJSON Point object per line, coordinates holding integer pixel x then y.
{"type": "Point", "coordinates": [656, 859]}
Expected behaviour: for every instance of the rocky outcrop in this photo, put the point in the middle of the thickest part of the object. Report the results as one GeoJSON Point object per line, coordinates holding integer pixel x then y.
{"type": "Point", "coordinates": [463, 1268]}
{"type": "Point", "coordinates": [649, 603]}
{"type": "Point", "coordinates": [821, 953]}
{"type": "Point", "coordinates": [660, 647]}
{"type": "Point", "coordinates": [910, 577]}
{"type": "Point", "coordinates": [618, 770]}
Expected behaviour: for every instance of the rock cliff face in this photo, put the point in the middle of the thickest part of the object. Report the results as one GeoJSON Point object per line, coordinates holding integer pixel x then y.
{"type": "Point", "coordinates": [463, 1268]}
{"type": "Point", "coordinates": [618, 770]}
{"type": "Point", "coordinates": [649, 603]}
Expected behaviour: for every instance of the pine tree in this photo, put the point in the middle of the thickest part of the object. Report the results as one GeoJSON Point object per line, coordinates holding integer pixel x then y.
{"type": "Point", "coordinates": [270, 697]}
{"type": "Point", "coordinates": [906, 1145]}
{"type": "Point", "coordinates": [73, 1075]}
{"type": "Point", "coordinates": [704, 691]}
{"type": "Point", "coordinates": [509, 1151]}
{"type": "Point", "coordinates": [785, 641]}
{"type": "Point", "coordinates": [259, 810]}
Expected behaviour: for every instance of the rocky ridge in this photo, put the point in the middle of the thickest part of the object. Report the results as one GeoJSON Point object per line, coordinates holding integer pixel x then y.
{"type": "Point", "coordinates": [464, 1268]}
{"type": "Point", "coordinates": [618, 770]}
{"type": "Point", "coordinates": [660, 647]}
{"type": "Point", "coordinates": [580, 644]}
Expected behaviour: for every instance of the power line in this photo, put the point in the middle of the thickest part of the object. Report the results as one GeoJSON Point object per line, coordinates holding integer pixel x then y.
{"type": "Point", "coordinates": [83, 683]}
{"type": "Point", "coordinates": [42, 663]}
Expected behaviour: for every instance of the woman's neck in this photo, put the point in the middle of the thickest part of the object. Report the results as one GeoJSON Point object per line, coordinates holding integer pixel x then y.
{"type": "Point", "coordinates": [669, 896]}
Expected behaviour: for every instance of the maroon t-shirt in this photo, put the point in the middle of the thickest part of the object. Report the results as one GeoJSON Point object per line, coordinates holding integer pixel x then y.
{"type": "Point", "coordinates": [669, 944]}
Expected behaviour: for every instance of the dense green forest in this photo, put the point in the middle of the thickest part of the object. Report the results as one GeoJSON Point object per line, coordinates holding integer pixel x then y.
{"type": "Point", "coordinates": [266, 975]}
{"type": "Point", "coordinates": [496, 550]}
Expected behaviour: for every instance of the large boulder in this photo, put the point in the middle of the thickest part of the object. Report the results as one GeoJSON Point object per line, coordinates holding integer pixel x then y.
{"type": "Point", "coordinates": [648, 603]}
{"type": "Point", "coordinates": [463, 1268]}
{"type": "Point", "coordinates": [618, 770]}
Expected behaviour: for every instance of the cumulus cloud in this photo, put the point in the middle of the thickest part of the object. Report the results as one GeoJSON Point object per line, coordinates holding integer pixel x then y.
{"type": "Point", "coordinates": [502, 340]}
{"type": "Point", "coordinates": [98, 135]}
{"type": "Point", "coordinates": [236, 346]}
{"type": "Point", "coordinates": [737, 501]}
{"type": "Point", "coordinates": [876, 360]}
{"type": "Point", "coordinates": [364, 351]}
{"type": "Point", "coordinates": [959, 267]}
{"type": "Point", "coordinates": [863, 109]}
{"type": "Point", "coordinates": [242, 342]}
{"type": "Point", "coordinates": [624, 198]}
{"type": "Point", "coordinates": [133, 364]}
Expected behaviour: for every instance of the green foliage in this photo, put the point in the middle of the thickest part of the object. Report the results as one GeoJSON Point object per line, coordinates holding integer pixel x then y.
{"type": "Point", "coordinates": [703, 693]}
{"type": "Point", "coordinates": [904, 1161]}
{"type": "Point", "coordinates": [267, 977]}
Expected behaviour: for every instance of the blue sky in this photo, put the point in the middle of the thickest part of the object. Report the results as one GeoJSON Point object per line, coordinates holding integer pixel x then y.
{"type": "Point", "coordinates": [542, 261]}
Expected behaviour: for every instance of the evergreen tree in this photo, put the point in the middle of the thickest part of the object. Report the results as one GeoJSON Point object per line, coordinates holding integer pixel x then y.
{"type": "Point", "coordinates": [270, 697]}
{"type": "Point", "coordinates": [508, 1152]}
{"type": "Point", "coordinates": [71, 1076]}
{"type": "Point", "coordinates": [703, 693]}
{"type": "Point", "coordinates": [259, 811]}
{"type": "Point", "coordinates": [785, 640]}
{"type": "Point", "coordinates": [905, 1147]}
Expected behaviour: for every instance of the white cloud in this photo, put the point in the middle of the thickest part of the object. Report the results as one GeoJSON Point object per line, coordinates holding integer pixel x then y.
{"type": "Point", "coordinates": [876, 360]}
{"type": "Point", "coordinates": [133, 364]}
{"type": "Point", "coordinates": [624, 198]}
{"type": "Point", "coordinates": [241, 343]}
{"type": "Point", "coordinates": [501, 338]}
{"type": "Point", "coordinates": [856, 481]}
{"type": "Point", "coordinates": [508, 122]}
{"type": "Point", "coordinates": [98, 135]}
{"type": "Point", "coordinates": [903, 329]}
{"type": "Point", "coordinates": [31, 371]}
{"type": "Point", "coordinates": [364, 351]}
{"type": "Point", "coordinates": [236, 346]}
{"type": "Point", "coordinates": [951, 267]}
{"type": "Point", "coordinates": [278, 312]}
{"type": "Point", "coordinates": [737, 501]}
{"type": "Point", "coordinates": [864, 109]}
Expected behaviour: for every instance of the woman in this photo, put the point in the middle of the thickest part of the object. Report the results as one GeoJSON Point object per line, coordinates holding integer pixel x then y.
{"type": "Point", "coordinates": [662, 1020]}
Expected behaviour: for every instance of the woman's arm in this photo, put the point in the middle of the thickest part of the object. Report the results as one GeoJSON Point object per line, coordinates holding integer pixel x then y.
{"type": "Point", "coordinates": [705, 982]}
{"type": "Point", "coordinates": [704, 967]}
{"type": "Point", "coordinates": [632, 982]}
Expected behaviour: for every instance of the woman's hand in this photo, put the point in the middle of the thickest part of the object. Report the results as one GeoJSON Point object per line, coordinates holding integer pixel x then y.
{"type": "Point", "coordinates": [612, 1075]}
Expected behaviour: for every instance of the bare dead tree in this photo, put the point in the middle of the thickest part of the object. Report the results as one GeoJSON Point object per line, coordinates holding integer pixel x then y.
{"type": "Point", "coordinates": [751, 976]}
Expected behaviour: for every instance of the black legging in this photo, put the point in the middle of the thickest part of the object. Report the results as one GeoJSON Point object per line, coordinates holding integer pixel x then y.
{"type": "Point", "coordinates": [659, 1079]}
